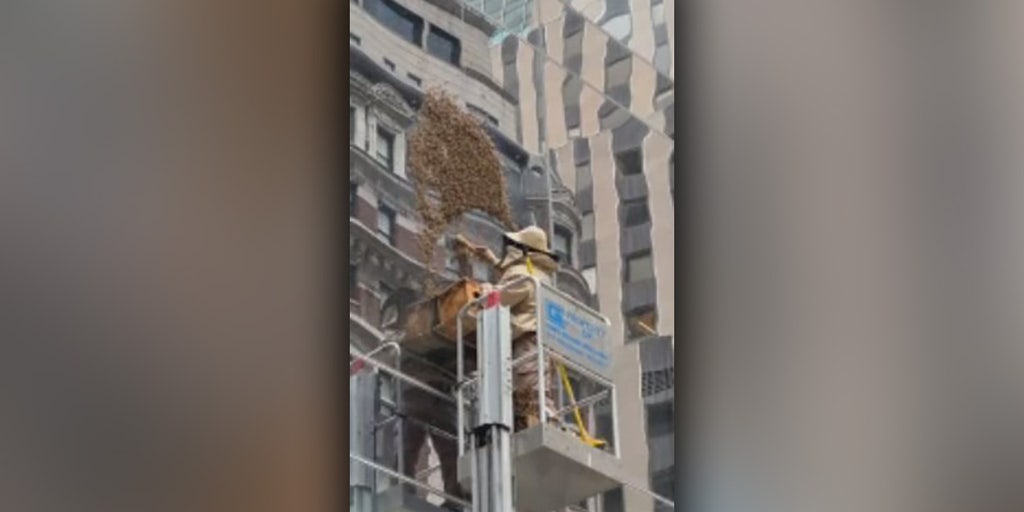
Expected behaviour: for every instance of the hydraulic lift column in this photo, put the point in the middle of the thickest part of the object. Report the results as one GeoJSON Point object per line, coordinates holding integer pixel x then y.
{"type": "Point", "coordinates": [492, 431]}
{"type": "Point", "coordinates": [363, 415]}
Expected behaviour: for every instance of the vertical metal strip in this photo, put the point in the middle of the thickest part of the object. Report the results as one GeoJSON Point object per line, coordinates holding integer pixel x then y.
{"type": "Point", "coordinates": [460, 414]}
{"type": "Point", "coordinates": [541, 381]}
{"type": "Point", "coordinates": [400, 424]}
{"type": "Point", "coordinates": [615, 419]}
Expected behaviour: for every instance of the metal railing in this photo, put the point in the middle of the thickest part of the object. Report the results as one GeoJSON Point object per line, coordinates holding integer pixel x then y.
{"type": "Point", "coordinates": [440, 394]}
{"type": "Point", "coordinates": [544, 355]}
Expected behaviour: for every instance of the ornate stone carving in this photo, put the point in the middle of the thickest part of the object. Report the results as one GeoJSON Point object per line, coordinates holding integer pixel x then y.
{"type": "Point", "coordinates": [391, 98]}
{"type": "Point", "coordinates": [359, 85]}
{"type": "Point", "coordinates": [357, 250]}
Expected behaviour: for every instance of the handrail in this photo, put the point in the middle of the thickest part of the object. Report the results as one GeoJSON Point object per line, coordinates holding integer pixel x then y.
{"type": "Point", "coordinates": [579, 368]}
{"type": "Point", "coordinates": [584, 402]}
{"type": "Point", "coordinates": [411, 481]}
{"type": "Point", "coordinates": [412, 419]}
{"type": "Point", "coordinates": [661, 499]}
{"type": "Point", "coordinates": [398, 392]}
{"type": "Point", "coordinates": [425, 387]}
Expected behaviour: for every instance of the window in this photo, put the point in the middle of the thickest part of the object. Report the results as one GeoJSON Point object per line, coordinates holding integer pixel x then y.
{"type": "Point", "coordinates": [480, 112]}
{"type": "Point", "coordinates": [640, 323]}
{"type": "Point", "coordinates": [415, 80]}
{"type": "Point", "coordinates": [635, 212]}
{"type": "Point", "coordinates": [386, 148]}
{"type": "Point", "coordinates": [351, 124]}
{"type": "Point", "coordinates": [672, 175]}
{"type": "Point", "coordinates": [562, 245]}
{"type": "Point", "coordinates": [354, 39]}
{"type": "Point", "coordinates": [659, 419]}
{"type": "Point", "coordinates": [390, 65]}
{"type": "Point", "coordinates": [587, 232]}
{"type": "Point", "coordinates": [353, 198]}
{"type": "Point", "coordinates": [639, 268]}
{"type": "Point", "coordinates": [443, 45]}
{"type": "Point", "coordinates": [353, 281]}
{"type": "Point", "coordinates": [629, 162]}
{"type": "Point", "coordinates": [384, 290]}
{"type": "Point", "coordinates": [662, 483]}
{"type": "Point", "coordinates": [590, 276]}
{"type": "Point", "coordinates": [386, 222]}
{"type": "Point", "coordinates": [397, 18]}
{"type": "Point", "coordinates": [613, 501]}
{"type": "Point", "coordinates": [481, 271]}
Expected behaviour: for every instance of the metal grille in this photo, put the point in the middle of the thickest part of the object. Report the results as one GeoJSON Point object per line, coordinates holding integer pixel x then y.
{"type": "Point", "coordinates": [654, 382]}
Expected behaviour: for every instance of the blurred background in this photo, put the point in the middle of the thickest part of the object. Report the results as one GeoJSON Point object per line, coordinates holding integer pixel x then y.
{"type": "Point", "coordinates": [852, 249]}
{"type": "Point", "coordinates": [166, 270]}
{"type": "Point", "coordinates": [856, 206]}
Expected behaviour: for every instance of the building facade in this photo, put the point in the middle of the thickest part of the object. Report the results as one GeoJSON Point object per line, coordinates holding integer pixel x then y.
{"type": "Point", "coordinates": [578, 98]}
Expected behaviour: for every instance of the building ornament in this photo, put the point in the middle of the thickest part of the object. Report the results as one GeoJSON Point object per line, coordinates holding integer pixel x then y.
{"type": "Point", "coordinates": [387, 96]}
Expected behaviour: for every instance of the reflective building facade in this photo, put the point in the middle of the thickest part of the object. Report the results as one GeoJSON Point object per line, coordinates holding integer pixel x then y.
{"type": "Point", "coordinates": [578, 97]}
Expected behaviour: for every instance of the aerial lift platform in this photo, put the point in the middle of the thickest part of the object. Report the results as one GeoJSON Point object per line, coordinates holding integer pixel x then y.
{"type": "Point", "coordinates": [542, 468]}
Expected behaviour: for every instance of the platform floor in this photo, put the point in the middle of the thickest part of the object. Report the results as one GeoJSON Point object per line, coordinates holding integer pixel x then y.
{"type": "Point", "coordinates": [401, 498]}
{"type": "Point", "coordinates": [553, 469]}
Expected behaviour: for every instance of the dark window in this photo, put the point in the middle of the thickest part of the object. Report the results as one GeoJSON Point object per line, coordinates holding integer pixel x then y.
{"type": "Point", "coordinates": [415, 80]}
{"type": "Point", "coordinates": [672, 175]}
{"type": "Point", "coordinates": [355, 39]}
{"type": "Point", "coordinates": [562, 245]}
{"type": "Point", "coordinates": [451, 263]}
{"type": "Point", "coordinates": [386, 222]}
{"type": "Point", "coordinates": [390, 65]}
{"type": "Point", "coordinates": [351, 124]}
{"type": "Point", "coordinates": [634, 212]}
{"type": "Point", "coordinates": [659, 419]}
{"type": "Point", "coordinates": [443, 45]}
{"type": "Point", "coordinates": [640, 323]}
{"type": "Point", "coordinates": [662, 483]}
{"type": "Point", "coordinates": [481, 270]}
{"type": "Point", "coordinates": [587, 233]}
{"type": "Point", "coordinates": [353, 281]}
{"type": "Point", "coordinates": [397, 18]}
{"type": "Point", "coordinates": [480, 112]}
{"type": "Point", "coordinates": [639, 268]}
{"type": "Point", "coordinates": [386, 148]}
{"type": "Point", "coordinates": [353, 198]}
{"type": "Point", "coordinates": [613, 501]}
{"type": "Point", "coordinates": [629, 162]}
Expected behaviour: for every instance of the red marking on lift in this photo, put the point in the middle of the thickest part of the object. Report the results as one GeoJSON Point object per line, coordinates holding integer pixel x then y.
{"type": "Point", "coordinates": [356, 366]}
{"type": "Point", "coordinates": [493, 299]}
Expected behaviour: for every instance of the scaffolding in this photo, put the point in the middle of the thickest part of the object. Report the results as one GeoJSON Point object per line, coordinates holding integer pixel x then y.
{"type": "Point", "coordinates": [565, 460]}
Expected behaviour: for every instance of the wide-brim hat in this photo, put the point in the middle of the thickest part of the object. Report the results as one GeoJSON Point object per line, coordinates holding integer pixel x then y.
{"type": "Point", "coordinates": [535, 239]}
{"type": "Point", "coordinates": [532, 237]}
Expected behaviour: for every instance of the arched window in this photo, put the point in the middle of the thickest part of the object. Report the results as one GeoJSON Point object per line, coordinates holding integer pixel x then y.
{"type": "Point", "coordinates": [562, 245]}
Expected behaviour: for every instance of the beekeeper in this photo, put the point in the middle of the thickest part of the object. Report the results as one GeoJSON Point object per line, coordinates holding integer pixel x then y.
{"type": "Point", "coordinates": [526, 253]}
